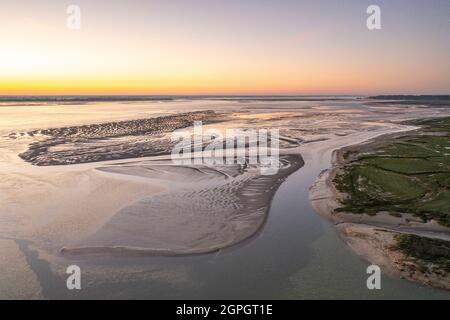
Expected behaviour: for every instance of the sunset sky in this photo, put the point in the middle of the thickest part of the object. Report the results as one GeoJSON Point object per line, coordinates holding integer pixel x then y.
{"type": "Point", "coordinates": [224, 47]}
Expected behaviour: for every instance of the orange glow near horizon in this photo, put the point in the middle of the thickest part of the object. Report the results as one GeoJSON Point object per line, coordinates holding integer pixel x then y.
{"type": "Point", "coordinates": [176, 52]}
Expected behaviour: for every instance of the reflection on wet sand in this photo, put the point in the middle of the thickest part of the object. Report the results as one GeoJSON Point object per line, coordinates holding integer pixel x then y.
{"type": "Point", "coordinates": [102, 205]}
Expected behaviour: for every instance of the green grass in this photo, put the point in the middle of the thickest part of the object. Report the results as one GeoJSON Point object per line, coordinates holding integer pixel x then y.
{"type": "Point", "coordinates": [408, 175]}
{"type": "Point", "coordinates": [409, 165]}
{"type": "Point", "coordinates": [426, 250]}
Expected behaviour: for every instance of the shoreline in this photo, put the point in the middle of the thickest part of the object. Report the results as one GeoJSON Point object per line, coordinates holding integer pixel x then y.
{"type": "Point", "coordinates": [187, 226]}
{"type": "Point", "coordinates": [372, 237]}
{"type": "Point", "coordinates": [239, 200]}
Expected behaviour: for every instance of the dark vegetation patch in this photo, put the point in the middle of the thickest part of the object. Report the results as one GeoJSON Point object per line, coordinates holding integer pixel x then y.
{"type": "Point", "coordinates": [425, 250]}
{"type": "Point", "coordinates": [429, 100]}
{"type": "Point", "coordinates": [410, 174]}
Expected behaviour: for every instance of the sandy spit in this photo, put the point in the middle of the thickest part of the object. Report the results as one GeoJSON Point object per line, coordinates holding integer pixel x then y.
{"type": "Point", "coordinates": [205, 209]}
{"type": "Point", "coordinates": [373, 237]}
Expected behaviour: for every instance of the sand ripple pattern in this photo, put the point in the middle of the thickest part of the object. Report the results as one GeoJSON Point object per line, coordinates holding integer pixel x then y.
{"type": "Point", "coordinates": [197, 216]}
{"type": "Point", "coordinates": [109, 141]}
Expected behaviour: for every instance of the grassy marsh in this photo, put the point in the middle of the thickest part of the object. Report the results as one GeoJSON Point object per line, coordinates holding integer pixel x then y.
{"type": "Point", "coordinates": [410, 174]}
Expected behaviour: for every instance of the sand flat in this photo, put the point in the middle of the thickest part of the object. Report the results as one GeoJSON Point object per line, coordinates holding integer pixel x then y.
{"type": "Point", "coordinates": [133, 207]}
{"type": "Point", "coordinates": [17, 281]}
{"type": "Point", "coordinates": [196, 215]}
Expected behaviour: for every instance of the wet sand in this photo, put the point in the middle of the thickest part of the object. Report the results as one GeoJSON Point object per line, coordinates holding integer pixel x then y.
{"type": "Point", "coordinates": [144, 205]}
{"type": "Point", "coordinates": [205, 209]}
{"type": "Point", "coordinates": [372, 237]}
{"type": "Point", "coordinates": [109, 141]}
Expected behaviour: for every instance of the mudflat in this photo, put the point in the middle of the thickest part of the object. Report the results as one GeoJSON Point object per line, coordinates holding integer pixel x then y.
{"type": "Point", "coordinates": [96, 180]}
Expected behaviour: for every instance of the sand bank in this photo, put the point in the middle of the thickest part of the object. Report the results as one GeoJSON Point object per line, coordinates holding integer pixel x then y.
{"type": "Point", "coordinates": [17, 281]}
{"type": "Point", "coordinates": [372, 237]}
{"type": "Point", "coordinates": [109, 141]}
{"type": "Point", "coordinates": [94, 204]}
{"type": "Point", "coordinates": [205, 209]}
{"type": "Point", "coordinates": [377, 246]}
